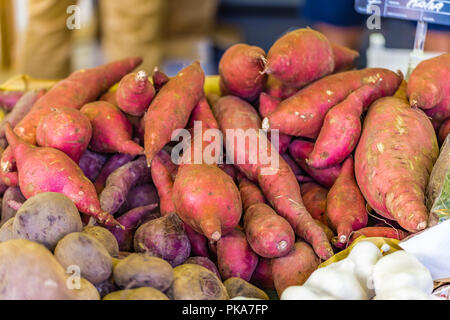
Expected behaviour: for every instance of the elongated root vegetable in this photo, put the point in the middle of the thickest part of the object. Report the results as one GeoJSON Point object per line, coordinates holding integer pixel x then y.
{"type": "Point", "coordinates": [111, 130]}
{"type": "Point", "coordinates": [139, 196]}
{"type": "Point", "coordinates": [164, 185]}
{"type": "Point", "coordinates": [134, 93]}
{"type": "Point", "coordinates": [315, 200]}
{"type": "Point", "coordinates": [444, 131]}
{"type": "Point", "coordinates": [47, 169]}
{"type": "Point", "coordinates": [235, 257]}
{"type": "Point", "coordinates": [429, 83]}
{"type": "Point", "coordinates": [300, 151]}
{"type": "Point", "coordinates": [300, 57]}
{"type": "Point", "coordinates": [250, 193]}
{"type": "Point", "coordinates": [385, 232]}
{"type": "Point", "coordinates": [342, 127]}
{"type": "Point", "coordinates": [159, 78]}
{"type": "Point", "coordinates": [113, 163]}
{"type": "Point", "coordinates": [303, 114]}
{"type": "Point", "coordinates": [65, 129]}
{"type": "Point", "coordinates": [202, 112]}
{"type": "Point", "coordinates": [295, 267]}
{"type": "Point", "coordinates": [346, 208]}
{"type": "Point", "coordinates": [344, 58]}
{"type": "Point", "coordinates": [241, 71]}
{"type": "Point", "coordinates": [278, 183]}
{"type": "Point", "coordinates": [393, 161]}
{"type": "Point", "coordinates": [171, 108]}
{"type": "Point", "coordinates": [121, 181]}
{"type": "Point", "coordinates": [91, 163]}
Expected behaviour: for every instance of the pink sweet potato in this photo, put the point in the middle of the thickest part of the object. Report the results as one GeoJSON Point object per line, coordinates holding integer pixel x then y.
{"type": "Point", "coordinates": [91, 163]}
{"type": "Point", "coordinates": [278, 184]}
{"type": "Point", "coordinates": [165, 238]}
{"type": "Point", "coordinates": [159, 78]}
{"type": "Point", "coordinates": [294, 268]}
{"type": "Point", "coordinates": [342, 127]}
{"type": "Point", "coordinates": [262, 276]}
{"type": "Point", "coordinates": [429, 83]}
{"type": "Point", "coordinates": [303, 113]}
{"type": "Point", "coordinates": [113, 163]}
{"type": "Point", "coordinates": [315, 200]}
{"type": "Point", "coordinates": [300, 57]}
{"type": "Point", "coordinates": [164, 185]}
{"type": "Point", "coordinates": [65, 129]}
{"type": "Point", "coordinates": [235, 257]}
{"type": "Point", "coordinates": [134, 93]}
{"type": "Point", "coordinates": [204, 262]}
{"type": "Point", "coordinates": [346, 207]}
{"type": "Point", "coordinates": [171, 108]}
{"type": "Point", "coordinates": [278, 89]}
{"type": "Point", "coordinates": [111, 130]}
{"type": "Point", "coordinates": [393, 161]}
{"type": "Point", "coordinates": [344, 58]}
{"type": "Point", "coordinates": [9, 99]}
{"type": "Point", "coordinates": [444, 130]}
{"type": "Point", "coordinates": [300, 151]}
{"type": "Point", "coordinates": [202, 112]}
{"type": "Point", "coordinates": [241, 71]}
{"type": "Point", "coordinates": [299, 173]}
{"type": "Point", "coordinates": [43, 169]}
{"type": "Point", "coordinates": [120, 182]}
{"type": "Point", "coordinates": [385, 232]}
{"type": "Point", "coordinates": [250, 193]}
{"type": "Point", "coordinates": [110, 97]}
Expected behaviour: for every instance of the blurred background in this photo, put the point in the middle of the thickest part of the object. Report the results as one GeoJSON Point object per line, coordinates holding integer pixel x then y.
{"type": "Point", "coordinates": [50, 38]}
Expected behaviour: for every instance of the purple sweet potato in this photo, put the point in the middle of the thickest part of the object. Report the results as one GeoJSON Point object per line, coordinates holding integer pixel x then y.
{"type": "Point", "coordinates": [134, 93]}
{"type": "Point", "coordinates": [9, 99]}
{"type": "Point", "coordinates": [241, 71]}
{"type": "Point", "coordinates": [165, 238]}
{"type": "Point", "coordinates": [113, 163]}
{"type": "Point", "coordinates": [65, 129]}
{"type": "Point", "coordinates": [12, 193]}
{"type": "Point", "coordinates": [120, 182]}
{"type": "Point", "coordinates": [204, 262]}
{"type": "Point", "coordinates": [235, 256]}
{"type": "Point", "coordinates": [139, 196]}
{"type": "Point", "coordinates": [91, 163]}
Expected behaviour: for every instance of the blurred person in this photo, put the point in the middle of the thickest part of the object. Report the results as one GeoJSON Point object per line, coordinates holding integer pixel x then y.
{"type": "Point", "coordinates": [339, 22]}
{"type": "Point", "coordinates": [128, 28]}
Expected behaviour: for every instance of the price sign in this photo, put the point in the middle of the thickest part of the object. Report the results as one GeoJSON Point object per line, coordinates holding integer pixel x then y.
{"type": "Point", "coordinates": [432, 11]}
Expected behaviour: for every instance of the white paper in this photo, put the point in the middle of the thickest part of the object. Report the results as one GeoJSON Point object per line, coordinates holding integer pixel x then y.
{"type": "Point", "coordinates": [432, 248]}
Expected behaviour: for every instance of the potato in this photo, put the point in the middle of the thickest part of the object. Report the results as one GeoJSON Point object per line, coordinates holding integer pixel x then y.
{"type": "Point", "coordinates": [86, 252]}
{"type": "Point", "coordinates": [46, 218]}
{"type": "Point", "coordinates": [237, 287]}
{"type": "Point", "coordinates": [87, 291]}
{"type": "Point", "coordinates": [106, 238]}
{"type": "Point", "coordinates": [29, 271]}
{"type": "Point", "coordinates": [6, 230]}
{"type": "Point", "coordinates": [143, 270]}
{"type": "Point", "coordinates": [194, 282]}
{"type": "Point", "coordinates": [143, 293]}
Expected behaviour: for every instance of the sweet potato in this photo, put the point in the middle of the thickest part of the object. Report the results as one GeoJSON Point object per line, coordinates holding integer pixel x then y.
{"type": "Point", "coordinates": [279, 185]}
{"type": "Point", "coordinates": [199, 243]}
{"type": "Point", "coordinates": [300, 57]}
{"type": "Point", "coordinates": [6, 230]}
{"type": "Point", "coordinates": [86, 252]}
{"type": "Point", "coordinates": [134, 93]}
{"type": "Point", "coordinates": [105, 237]}
{"type": "Point", "coordinates": [9, 99]}
{"type": "Point", "coordinates": [238, 287]}
{"type": "Point", "coordinates": [110, 97]}
{"type": "Point", "coordinates": [303, 113]}
{"type": "Point", "coordinates": [202, 112]}
{"type": "Point", "coordinates": [159, 78]}
{"type": "Point", "coordinates": [66, 129]}
{"type": "Point", "coordinates": [164, 237]}
{"type": "Point", "coordinates": [315, 200]}
{"type": "Point", "coordinates": [171, 108]}
{"type": "Point", "coordinates": [250, 193]}
{"type": "Point", "coordinates": [204, 262]}
{"type": "Point", "coordinates": [444, 130]}
{"type": "Point", "coordinates": [439, 113]}
{"type": "Point", "coordinates": [295, 267]}
{"type": "Point", "coordinates": [120, 182]}
{"type": "Point", "coordinates": [143, 293]}
{"type": "Point", "coordinates": [46, 218]}
{"type": "Point", "coordinates": [278, 89]}
{"type": "Point", "coordinates": [346, 207]}
{"type": "Point", "coordinates": [12, 193]}
{"type": "Point", "coordinates": [194, 282]}
{"type": "Point", "coordinates": [111, 130]}
{"type": "Point", "coordinates": [131, 220]}
{"type": "Point", "coordinates": [143, 270]}
{"type": "Point", "coordinates": [31, 272]}
{"type": "Point", "coordinates": [429, 83]}
{"type": "Point", "coordinates": [385, 232]}
{"type": "Point", "coordinates": [22, 107]}
{"type": "Point", "coordinates": [342, 127]}
{"type": "Point", "coordinates": [235, 257]}
{"type": "Point", "coordinates": [393, 161]}
{"type": "Point", "coordinates": [344, 58]}
{"type": "Point", "coordinates": [230, 170]}
{"type": "Point", "coordinates": [262, 276]}
{"type": "Point", "coordinates": [47, 169]}
{"type": "Point", "coordinates": [241, 71]}
{"type": "Point", "coordinates": [164, 185]}
{"type": "Point", "coordinates": [91, 163]}
{"type": "Point", "coordinates": [113, 163]}
{"type": "Point", "coordinates": [299, 173]}
{"type": "Point", "coordinates": [139, 196]}
{"type": "Point", "coordinates": [300, 151]}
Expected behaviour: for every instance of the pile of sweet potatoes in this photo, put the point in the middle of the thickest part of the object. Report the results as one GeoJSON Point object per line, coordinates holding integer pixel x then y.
{"type": "Point", "coordinates": [153, 188]}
